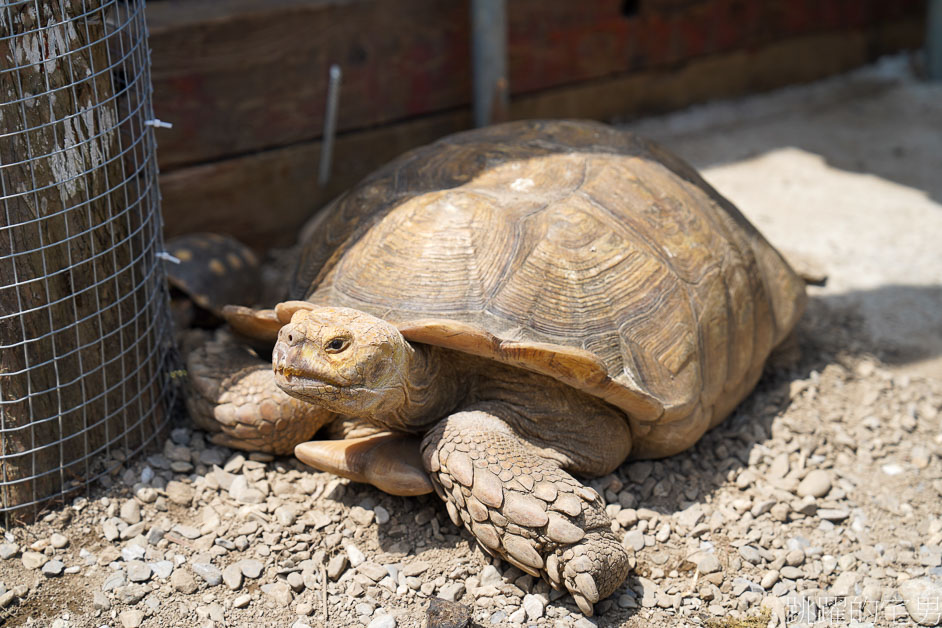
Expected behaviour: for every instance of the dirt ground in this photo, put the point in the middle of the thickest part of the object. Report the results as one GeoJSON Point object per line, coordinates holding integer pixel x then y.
{"type": "Point", "coordinates": [817, 503]}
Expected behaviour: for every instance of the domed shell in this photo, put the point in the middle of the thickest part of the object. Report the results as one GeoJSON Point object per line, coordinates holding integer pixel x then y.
{"type": "Point", "coordinates": [571, 249]}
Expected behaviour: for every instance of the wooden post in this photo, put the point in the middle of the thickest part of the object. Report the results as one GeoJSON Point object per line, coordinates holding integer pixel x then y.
{"type": "Point", "coordinates": [79, 324]}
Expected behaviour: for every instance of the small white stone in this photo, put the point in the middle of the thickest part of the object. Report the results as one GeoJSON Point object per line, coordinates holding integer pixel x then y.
{"type": "Point", "coordinates": [518, 616]}
{"type": "Point", "coordinates": [816, 484]}
{"type": "Point", "coordinates": [383, 621]}
{"type": "Point", "coordinates": [534, 606]}
{"type": "Point", "coordinates": [354, 555]}
{"type": "Point", "coordinates": [923, 600]}
{"type": "Point", "coordinates": [892, 469]}
{"type": "Point", "coordinates": [242, 601]}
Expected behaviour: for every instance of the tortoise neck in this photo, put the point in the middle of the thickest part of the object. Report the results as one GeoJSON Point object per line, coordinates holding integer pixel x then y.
{"type": "Point", "coordinates": [432, 389]}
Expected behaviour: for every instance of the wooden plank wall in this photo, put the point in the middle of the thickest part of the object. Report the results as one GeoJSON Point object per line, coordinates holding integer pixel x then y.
{"type": "Point", "coordinates": [244, 81]}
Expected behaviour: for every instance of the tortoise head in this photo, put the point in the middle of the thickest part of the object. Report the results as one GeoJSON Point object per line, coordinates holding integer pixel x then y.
{"type": "Point", "coordinates": [343, 360]}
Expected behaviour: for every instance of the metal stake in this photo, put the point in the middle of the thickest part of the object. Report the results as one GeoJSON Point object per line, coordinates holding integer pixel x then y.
{"type": "Point", "coordinates": [489, 59]}
{"type": "Point", "coordinates": [330, 125]}
{"type": "Point", "coordinates": [934, 40]}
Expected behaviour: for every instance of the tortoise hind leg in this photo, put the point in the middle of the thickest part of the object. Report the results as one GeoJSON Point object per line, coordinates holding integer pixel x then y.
{"type": "Point", "coordinates": [232, 393]}
{"type": "Point", "coordinates": [523, 507]}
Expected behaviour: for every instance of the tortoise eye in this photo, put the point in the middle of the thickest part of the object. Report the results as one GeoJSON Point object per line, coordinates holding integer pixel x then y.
{"type": "Point", "coordinates": [337, 345]}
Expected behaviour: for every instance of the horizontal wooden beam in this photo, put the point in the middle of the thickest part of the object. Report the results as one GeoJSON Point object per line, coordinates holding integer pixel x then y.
{"type": "Point", "coordinates": [264, 198]}
{"type": "Point", "coordinates": [240, 76]}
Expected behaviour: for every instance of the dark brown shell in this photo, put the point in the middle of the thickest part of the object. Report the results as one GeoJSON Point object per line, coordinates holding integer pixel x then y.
{"type": "Point", "coordinates": [213, 270]}
{"type": "Point", "coordinates": [571, 249]}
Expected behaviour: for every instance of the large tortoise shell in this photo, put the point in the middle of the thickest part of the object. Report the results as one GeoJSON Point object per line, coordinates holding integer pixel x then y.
{"type": "Point", "coordinates": [571, 249]}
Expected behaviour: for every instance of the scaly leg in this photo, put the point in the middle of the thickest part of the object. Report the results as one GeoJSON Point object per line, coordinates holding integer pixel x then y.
{"type": "Point", "coordinates": [521, 506]}
{"type": "Point", "coordinates": [232, 393]}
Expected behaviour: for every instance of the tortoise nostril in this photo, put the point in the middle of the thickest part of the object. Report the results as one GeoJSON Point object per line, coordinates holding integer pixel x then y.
{"type": "Point", "coordinates": [290, 338]}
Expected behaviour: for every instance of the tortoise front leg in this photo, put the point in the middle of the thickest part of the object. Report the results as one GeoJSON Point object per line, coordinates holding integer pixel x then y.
{"type": "Point", "coordinates": [522, 507]}
{"type": "Point", "coordinates": [232, 393]}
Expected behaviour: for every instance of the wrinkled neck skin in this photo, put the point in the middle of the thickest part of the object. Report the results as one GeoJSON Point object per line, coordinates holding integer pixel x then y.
{"type": "Point", "coordinates": [431, 388]}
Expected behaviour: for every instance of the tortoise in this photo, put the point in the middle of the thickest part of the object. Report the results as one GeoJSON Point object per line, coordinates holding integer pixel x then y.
{"type": "Point", "coordinates": [492, 313]}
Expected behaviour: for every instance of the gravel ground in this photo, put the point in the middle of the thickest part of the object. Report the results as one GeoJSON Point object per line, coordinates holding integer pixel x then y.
{"type": "Point", "coordinates": [816, 503]}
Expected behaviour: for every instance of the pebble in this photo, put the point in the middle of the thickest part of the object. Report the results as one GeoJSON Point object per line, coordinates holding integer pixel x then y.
{"type": "Point", "coordinates": [183, 581]}
{"type": "Point", "coordinates": [251, 568]}
{"type": "Point", "coordinates": [115, 580]}
{"type": "Point", "coordinates": [361, 516]}
{"type": "Point", "coordinates": [279, 592]}
{"type": "Point", "coordinates": [452, 591]}
{"type": "Point", "coordinates": [304, 609]}
{"type": "Point", "coordinates": [53, 568]}
{"type": "Point", "coordinates": [750, 554]}
{"type": "Point", "coordinates": [286, 515]}
{"type": "Point", "coordinates": [179, 493]}
{"type": "Point", "coordinates": [795, 557]}
{"type": "Point", "coordinates": [131, 594]}
{"type": "Point", "coordinates": [8, 550]}
{"type": "Point", "coordinates": [187, 532]}
{"type": "Point", "coordinates": [383, 621]}
{"type": "Point", "coordinates": [155, 534]}
{"type": "Point", "coordinates": [420, 567]}
{"type": "Point", "coordinates": [131, 511]}
{"type": "Point", "coordinates": [892, 469]}
{"type": "Point", "coordinates": [242, 601]}
{"type": "Point", "coordinates": [33, 560]}
{"type": "Point", "coordinates": [816, 484]}
{"type": "Point", "coordinates": [634, 540]}
{"type": "Point", "coordinates": [708, 563]}
{"type": "Point", "coordinates": [59, 541]}
{"type": "Point", "coordinates": [534, 606]}
{"type": "Point", "coordinates": [162, 568]}
{"type": "Point", "coordinates": [337, 565]}
{"type": "Point", "coordinates": [769, 579]}
{"type": "Point", "coordinates": [845, 584]}
{"type": "Point", "coordinates": [833, 514]}
{"type": "Point", "coordinates": [100, 601]}
{"type": "Point", "coordinates": [132, 552]}
{"type": "Point", "coordinates": [518, 616]}
{"type": "Point", "coordinates": [138, 571]}
{"type": "Point", "coordinates": [243, 493]}
{"type": "Point", "coordinates": [208, 572]}
{"type": "Point", "coordinates": [626, 517]}
{"type": "Point", "coordinates": [354, 555]}
{"type": "Point", "coordinates": [638, 472]}
{"type": "Point", "coordinates": [131, 618]}
{"type": "Point", "coordinates": [232, 576]}
{"type": "Point", "coordinates": [109, 528]}
{"type": "Point", "coordinates": [922, 597]}
{"type": "Point", "coordinates": [295, 581]}
{"type": "Point", "coordinates": [372, 571]}
{"type": "Point", "coordinates": [382, 515]}
{"type": "Point", "coordinates": [792, 573]}
{"type": "Point", "coordinates": [146, 494]}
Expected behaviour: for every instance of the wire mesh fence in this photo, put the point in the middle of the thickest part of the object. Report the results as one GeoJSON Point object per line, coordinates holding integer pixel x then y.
{"type": "Point", "coordinates": [85, 335]}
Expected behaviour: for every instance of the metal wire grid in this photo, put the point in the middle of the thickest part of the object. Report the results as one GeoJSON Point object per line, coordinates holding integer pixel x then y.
{"type": "Point", "coordinates": [85, 333]}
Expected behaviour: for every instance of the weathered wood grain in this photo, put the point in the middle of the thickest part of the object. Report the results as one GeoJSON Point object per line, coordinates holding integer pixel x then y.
{"type": "Point", "coordinates": [237, 77]}
{"type": "Point", "coordinates": [263, 198]}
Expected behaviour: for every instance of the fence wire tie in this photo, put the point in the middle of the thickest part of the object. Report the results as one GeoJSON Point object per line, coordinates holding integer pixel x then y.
{"type": "Point", "coordinates": [167, 257]}
{"type": "Point", "coordinates": [158, 123]}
